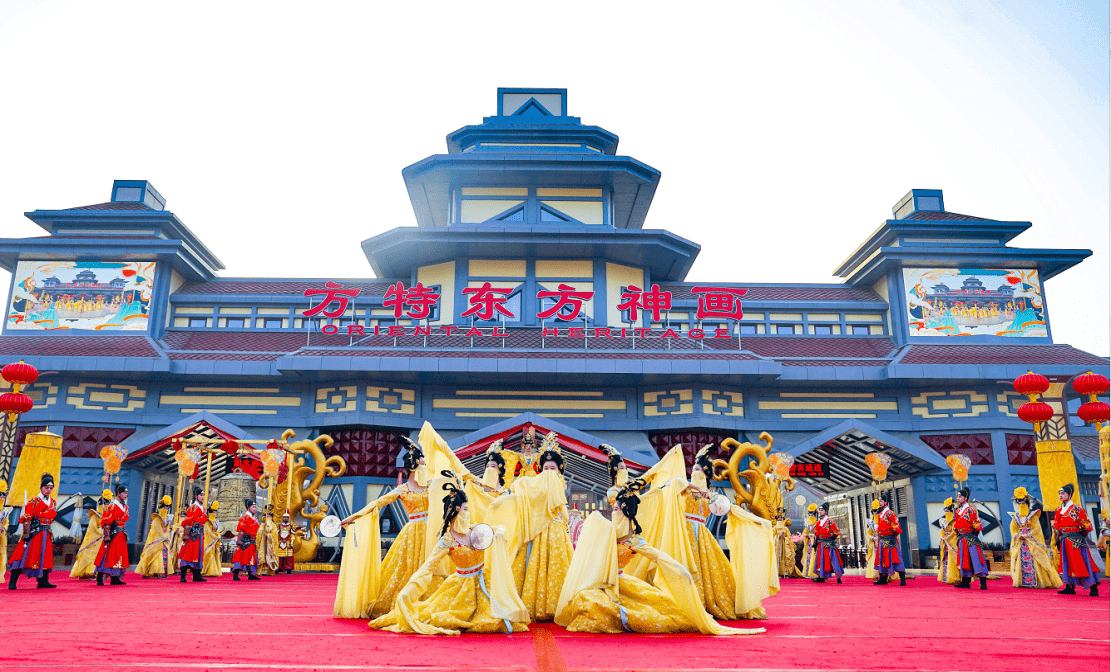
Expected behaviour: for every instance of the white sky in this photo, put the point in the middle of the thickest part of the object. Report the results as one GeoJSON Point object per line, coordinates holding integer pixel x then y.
{"type": "Point", "coordinates": [785, 131]}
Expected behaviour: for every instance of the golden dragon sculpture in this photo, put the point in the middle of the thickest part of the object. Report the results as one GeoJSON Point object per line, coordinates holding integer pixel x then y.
{"type": "Point", "coordinates": [283, 497]}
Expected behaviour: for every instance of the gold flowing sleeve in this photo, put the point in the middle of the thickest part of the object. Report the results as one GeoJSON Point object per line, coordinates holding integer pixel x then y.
{"type": "Point", "coordinates": [752, 558]}
{"type": "Point", "coordinates": [532, 505]}
{"type": "Point", "coordinates": [505, 603]}
{"type": "Point", "coordinates": [360, 567]}
{"type": "Point", "coordinates": [409, 597]}
{"type": "Point", "coordinates": [674, 579]}
{"type": "Point", "coordinates": [437, 454]}
{"type": "Point", "coordinates": [663, 524]}
{"type": "Point", "coordinates": [594, 564]}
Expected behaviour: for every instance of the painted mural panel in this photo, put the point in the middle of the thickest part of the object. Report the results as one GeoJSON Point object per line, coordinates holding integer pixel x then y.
{"type": "Point", "coordinates": [974, 302]}
{"type": "Point", "coordinates": [100, 295]}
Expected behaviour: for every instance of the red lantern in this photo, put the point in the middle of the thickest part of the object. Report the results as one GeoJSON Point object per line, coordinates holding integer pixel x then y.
{"type": "Point", "coordinates": [1035, 412]}
{"type": "Point", "coordinates": [1094, 411]}
{"type": "Point", "coordinates": [1031, 383]}
{"type": "Point", "coordinates": [15, 403]}
{"type": "Point", "coordinates": [20, 373]}
{"type": "Point", "coordinates": [230, 447]}
{"type": "Point", "coordinates": [1091, 383]}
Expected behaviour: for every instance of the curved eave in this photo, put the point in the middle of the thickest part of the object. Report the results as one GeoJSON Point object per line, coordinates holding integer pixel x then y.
{"type": "Point", "coordinates": [397, 252]}
{"type": "Point", "coordinates": [893, 229]}
{"type": "Point", "coordinates": [178, 253]}
{"type": "Point", "coordinates": [1048, 262]}
{"type": "Point", "coordinates": [430, 181]}
{"type": "Point", "coordinates": [528, 133]}
{"type": "Point", "coordinates": [167, 222]}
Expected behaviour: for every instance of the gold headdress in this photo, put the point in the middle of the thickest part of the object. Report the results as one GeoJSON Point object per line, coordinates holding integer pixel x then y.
{"type": "Point", "coordinates": [495, 447]}
{"type": "Point", "coordinates": [551, 442]}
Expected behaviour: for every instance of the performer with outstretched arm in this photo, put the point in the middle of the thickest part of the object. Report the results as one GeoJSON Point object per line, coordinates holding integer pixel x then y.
{"type": "Point", "coordinates": [34, 556]}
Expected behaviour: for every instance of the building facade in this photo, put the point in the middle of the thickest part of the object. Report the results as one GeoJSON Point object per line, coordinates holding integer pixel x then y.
{"type": "Point", "coordinates": [529, 298]}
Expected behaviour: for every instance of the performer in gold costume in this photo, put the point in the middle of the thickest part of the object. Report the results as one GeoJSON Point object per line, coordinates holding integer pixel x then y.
{"type": "Point", "coordinates": [360, 564]}
{"type": "Point", "coordinates": [784, 546]}
{"type": "Point", "coordinates": [1031, 562]}
{"type": "Point", "coordinates": [211, 563]}
{"type": "Point", "coordinates": [947, 569]}
{"type": "Point", "coordinates": [368, 585]}
{"type": "Point", "coordinates": [600, 596]}
{"type": "Point", "coordinates": [809, 541]}
{"type": "Point", "coordinates": [84, 564]}
{"type": "Point", "coordinates": [709, 566]}
{"type": "Point", "coordinates": [541, 564]}
{"type": "Point", "coordinates": [4, 513]}
{"type": "Point", "coordinates": [153, 560]}
{"type": "Point", "coordinates": [268, 544]}
{"type": "Point", "coordinates": [475, 598]}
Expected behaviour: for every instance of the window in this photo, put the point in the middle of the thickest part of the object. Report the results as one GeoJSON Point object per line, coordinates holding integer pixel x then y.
{"type": "Point", "coordinates": [859, 329]}
{"type": "Point", "coordinates": [477, 205]}
{"type": "Point", "coordinates": [747, 328]}
{"type": "Point", "coordinates": [823, 330]}
{"type": "Point", "coordinates": [785, 329]}
{"type": "Point", "coordinates": [198, 321]}
{"type": "Point", "coordinates": [235, 322]}
{"type": "Point", "coordinates": [272, 323]}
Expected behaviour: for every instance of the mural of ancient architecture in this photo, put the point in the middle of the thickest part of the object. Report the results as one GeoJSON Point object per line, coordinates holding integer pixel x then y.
{"type": "Point", "coordinates": [527, 296]}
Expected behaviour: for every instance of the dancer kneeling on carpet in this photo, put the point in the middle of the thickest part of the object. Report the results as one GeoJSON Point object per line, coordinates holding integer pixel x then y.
{"type": "Point", "coordinates": [191, 555]}
{"type": "Point", "coordinates": [1031, 563]}
{"type": "Point", "coordinates": [599, 597]}
{"type": "Point", "coordinates": [112, 559]}
{"type": "Point", "coordinates": [970, 550]}
{"type": "Point", "coordinates": [827, 557]}
{"type": "Point", "coordinates": [888, 558]}
{"type": "Point", "coordinates": [34, 556]}
{"type": "Point", "coordinates": [246, 553]}
{"type": "Point", "coordinates": [154, 560]}
{"type": "Point", "coordinates": [1071, 527]}
{"type": "Point", "coordinates": [478, 596]}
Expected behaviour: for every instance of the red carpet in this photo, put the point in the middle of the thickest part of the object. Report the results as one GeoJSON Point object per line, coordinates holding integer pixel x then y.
{"type": "Point", "coordinates": [286, 623]}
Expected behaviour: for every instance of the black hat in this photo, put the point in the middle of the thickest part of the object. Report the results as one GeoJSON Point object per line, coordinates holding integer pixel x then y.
{"type": "Point", "coordinates": [1068, 488]}
{"type": "Point", "coordinates": [121, 488]}
{"type": "Point", "coordinates": [248, 503]}
{"type": "Point", "coordinates": [825, 507]}
{"type": "Point", "coordinates": [964, 492]}
{"type": "Point", "coordinates": [196, 492]}
{"type": "Point", "coordinates": [47, 479]}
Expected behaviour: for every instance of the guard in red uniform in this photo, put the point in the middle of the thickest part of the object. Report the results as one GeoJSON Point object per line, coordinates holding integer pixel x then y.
{"type": "Point", "coordinates": [191, 555]}
{"type": "Point", "coordinates": [112, 559]}
{"type": "Point", "coordinates": [34, 556]}
{"type": "Point", "coordinates": [970, 551]}
{"type": "Point", "coordinates": [1071, 527]}
{"type": "Point", "coordinates": [888, 558]}
{"type": "Point", "coordinates": [828, 562]}
{"type": "Point", "coordinates": [246, 553]}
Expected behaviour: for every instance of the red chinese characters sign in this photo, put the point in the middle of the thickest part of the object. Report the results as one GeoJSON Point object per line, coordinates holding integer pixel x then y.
{"type": "Point", "coordinates": [489, 303]}
{"type": "Point", "coordinates": [810, 470]}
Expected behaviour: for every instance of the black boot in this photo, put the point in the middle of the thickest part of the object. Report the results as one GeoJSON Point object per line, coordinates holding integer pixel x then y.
{"type": "Point", "coordinates": [819, 580]}
{"type": "Point", "coordinates": [1067, 590]}
{"type": "Point", "coordinates": [1094, 590]}
{"type": "Point", "coordinates": [289, 571]}
{"type": "Point", "coordinates": [235, 575]}
{"type": "Point", "coordinates": [44, 581]}
{"type": "Point", "coordinates": [882, 581]}
{"type": "Point", "coordinates": [902, 578]}
{"type": "Point", "coordinates": [966, 582]}
{"type": "Point", "coordinates": [983, 583]}
{"type": "Point", "coordinates": [117, 581]}
{"type": "Point", "coordinates": [184, 572]}
{"type": "Point", "coordinates": [839, 579]}
{"type": "Point", "coordinates": [252, 577]}
{"type": "Point", "coordinates": [100, 578]}
{"type": "Point", "coordinates": [197, 578]}
{"type": "Point", "coordinates": [13, 577]}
